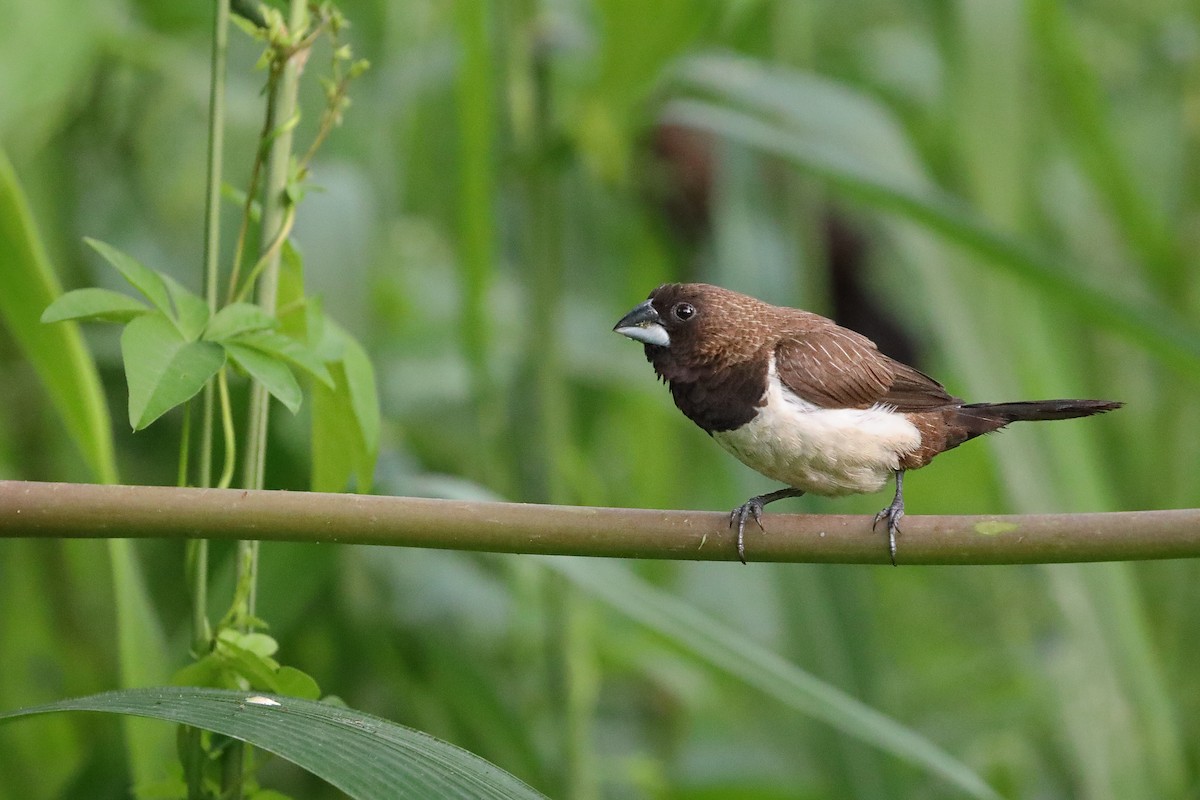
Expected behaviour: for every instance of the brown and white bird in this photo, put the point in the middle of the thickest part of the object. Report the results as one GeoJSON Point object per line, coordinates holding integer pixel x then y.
{"type": "Point", "coordinates": [807, 402]}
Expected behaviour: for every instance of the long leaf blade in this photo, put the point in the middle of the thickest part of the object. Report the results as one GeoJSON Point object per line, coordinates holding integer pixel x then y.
{"type": "Point", "coordinates": [748, 661]}
{"type": "Point", "coordinates": [56, 352]}
{"type": "Point", "coordinates": [68, 372]}
{"type": "Point", "coordinates": [774, 122]}
{"type": "Point", "coordinates": [143, 655]}
{"type": "Point", "coordinates": [367, 757]}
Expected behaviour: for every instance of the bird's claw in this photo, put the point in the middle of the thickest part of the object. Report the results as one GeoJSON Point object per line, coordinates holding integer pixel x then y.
{"type": "Point", "coordinates": [751, 509]}
{"type": "Point", "coordinates": [892, 516]}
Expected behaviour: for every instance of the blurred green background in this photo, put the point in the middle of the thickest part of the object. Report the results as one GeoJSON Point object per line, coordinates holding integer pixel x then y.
{"type": "Point", "coordinates": [1004, 193]}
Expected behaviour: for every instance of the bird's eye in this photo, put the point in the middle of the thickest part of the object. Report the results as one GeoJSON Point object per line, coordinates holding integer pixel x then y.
{"type": "Point", "coordinates": [684, 311]}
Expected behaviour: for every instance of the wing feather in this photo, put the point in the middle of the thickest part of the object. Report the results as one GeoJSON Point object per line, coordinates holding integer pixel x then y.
{"type": "Point", "coordinates": [833, 367]}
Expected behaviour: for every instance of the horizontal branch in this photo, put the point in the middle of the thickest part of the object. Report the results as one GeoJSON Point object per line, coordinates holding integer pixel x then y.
{"type": "Point", "coordinates": [72, 510]}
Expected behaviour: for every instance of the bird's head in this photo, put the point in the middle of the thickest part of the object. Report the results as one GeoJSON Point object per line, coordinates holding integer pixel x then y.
{"type": "Point", "coordinates": [693, 325]}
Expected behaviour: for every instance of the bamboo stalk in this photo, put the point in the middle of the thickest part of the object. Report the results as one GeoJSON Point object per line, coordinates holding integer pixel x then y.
{"type": "Point", "coordinates": [67, 510]}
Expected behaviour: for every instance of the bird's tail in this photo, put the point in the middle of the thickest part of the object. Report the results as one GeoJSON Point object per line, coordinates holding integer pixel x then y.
{"type": "Point", "coordinates": [1043, 409]}
{"type": "Point", "coordinates": [980, 418]}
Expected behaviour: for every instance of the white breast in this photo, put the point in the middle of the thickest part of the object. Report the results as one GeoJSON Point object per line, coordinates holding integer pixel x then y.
{"type": "Point", "coordinates": [820, 450]}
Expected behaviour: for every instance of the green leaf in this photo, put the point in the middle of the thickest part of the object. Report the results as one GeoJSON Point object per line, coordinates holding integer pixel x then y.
{"type": "Point", "coordinates": [143, 655]}
{"type": "Point", "coordinates": [292, 308]}
{"type": "Point", "coordinates": [208, 670]}
{"type": "Point", "coordinates": [268, 370]}
{"type": "Point", "coordinates": [241, 659]}
{"type": "Point", "coordinates": [191, 312]}
{"type": "Point", "coordinates": [736, 654]}
{"type": "Point", "coordinates": [269, 794]}
{"type": "Point", "coordinates": [335, 456]}
{"type": "Point", "coordinates": [352, 406]}
{"type": "Point", "coordinates": [367, 757]}
{"type": "Point", "coordinates": [322, 334]}
{"type": "Point", "coordinates": [297, 683]}
{"type": "Point", "coordinates": [295, 353]}
{"type": "Point", "coordinates": [162, 369]}
{"type": "Point", "coordinates": [56, 352]}
{"type": "Point", "coordinates": [364, 398]}
{"type": "Point", "coordinates": [236, 319]}
{"type": "Point", "coordinates": [69, 374]}
{"type": "Point", "coordinates": [140, 277]}
{"type": "Point", "coordinates": [257, 670]}
{"type": "Point", "coordinates": [258, 643]}
{"type": "Point", "coordinates": [94, 305]}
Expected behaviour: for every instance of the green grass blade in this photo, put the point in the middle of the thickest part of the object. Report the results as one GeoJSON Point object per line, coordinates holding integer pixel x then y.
{"type": "Point", "coordinates": [766, 671]}
{"type": "Point", "coordinates": [66, 369]}
{"type": "Point", "coordinates": [366, 757]}
{"type": "Point", "coordinates": [476, 158]}
{"type": "Point", "coordinates": [57, 352]}
{"type": "Point", "coordinates": [142, 655]}
{"type": "Point", "coordinates": [784, 123]}
{"type": "Point", "coordinates": [1085, 119]}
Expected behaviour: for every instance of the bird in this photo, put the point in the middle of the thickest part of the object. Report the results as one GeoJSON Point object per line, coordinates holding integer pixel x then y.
{"type": "Point", "coordinates": [807, 402]}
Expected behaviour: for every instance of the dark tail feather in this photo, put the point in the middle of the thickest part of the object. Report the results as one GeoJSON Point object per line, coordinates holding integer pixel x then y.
{"type": "Point", "coordinates": [1043, 409]}
{"type": "Point", "coordinates": [980, 418]}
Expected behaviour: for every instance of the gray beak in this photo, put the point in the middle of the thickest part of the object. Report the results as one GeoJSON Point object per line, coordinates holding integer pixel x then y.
{"type": "Point", "coordinates": [644, 325]}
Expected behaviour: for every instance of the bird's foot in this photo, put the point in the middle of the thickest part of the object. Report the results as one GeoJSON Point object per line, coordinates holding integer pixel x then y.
{"type": "Point", "coordinates": [751, 509]}
{"type": "Point", "coordinates": [892, 516]}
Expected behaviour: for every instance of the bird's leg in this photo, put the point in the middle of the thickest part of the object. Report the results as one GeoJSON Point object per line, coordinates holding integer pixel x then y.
{"type": "Point", "coordinates": [892, 515]}
{"type": "Point", "coordinates": [752, 509]}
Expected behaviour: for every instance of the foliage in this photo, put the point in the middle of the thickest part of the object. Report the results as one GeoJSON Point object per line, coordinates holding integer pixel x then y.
{"type": "Point", "coordinates": [173, 349]}
{"type": "Point", "coordinates": [395, 761]}
{"type": "Point", "coordinates": [1014, 185]}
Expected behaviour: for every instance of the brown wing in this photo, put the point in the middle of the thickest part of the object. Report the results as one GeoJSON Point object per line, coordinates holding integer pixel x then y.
{"type": "Point", "coordinates": [833, 367]}
{"type": "Point", "coordinates": [913, 390]}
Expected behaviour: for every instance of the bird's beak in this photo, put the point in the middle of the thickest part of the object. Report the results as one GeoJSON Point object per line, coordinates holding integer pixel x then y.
{"type": "Point", "coordinates": [644, 325]}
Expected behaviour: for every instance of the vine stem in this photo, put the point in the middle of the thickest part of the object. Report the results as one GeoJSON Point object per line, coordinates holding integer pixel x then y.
{"type": "Point", "coordinates": [196, 558]}
{"type": "Point", "coordinates": [281, 122]}
{"type": "Point", "coordinates": [281, 114]}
